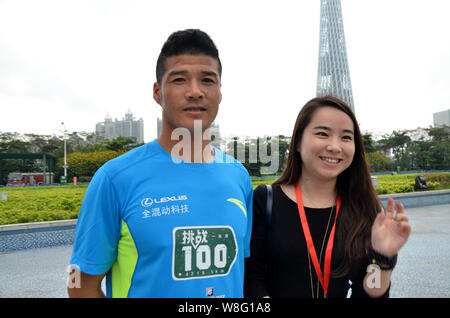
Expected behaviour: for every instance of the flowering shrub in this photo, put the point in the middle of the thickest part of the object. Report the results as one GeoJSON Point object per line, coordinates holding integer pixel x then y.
{"type": "Point", "coordinates": [402, 183]}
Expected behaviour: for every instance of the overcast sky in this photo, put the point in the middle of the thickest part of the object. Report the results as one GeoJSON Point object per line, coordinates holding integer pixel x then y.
{"type": "Point", "coordinates": [76, 61]}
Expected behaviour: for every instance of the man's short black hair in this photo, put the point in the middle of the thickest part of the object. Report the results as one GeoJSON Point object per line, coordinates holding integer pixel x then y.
{"type": "Point", "coordinates": [190, 41]}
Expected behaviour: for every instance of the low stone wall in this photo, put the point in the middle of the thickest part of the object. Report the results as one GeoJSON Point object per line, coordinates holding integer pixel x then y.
{"type": "Point", "coordinates": [23, 236]}
{"type": "Point", "coordinates": [419, 199]}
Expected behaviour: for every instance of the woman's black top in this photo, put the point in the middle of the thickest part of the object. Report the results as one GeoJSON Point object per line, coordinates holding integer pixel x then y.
{"type": "Point", "coordinates": [279, 263]}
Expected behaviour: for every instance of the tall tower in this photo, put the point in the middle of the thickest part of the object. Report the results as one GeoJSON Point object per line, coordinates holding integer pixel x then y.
{"type": "Point", "coordinates": [333, 76]}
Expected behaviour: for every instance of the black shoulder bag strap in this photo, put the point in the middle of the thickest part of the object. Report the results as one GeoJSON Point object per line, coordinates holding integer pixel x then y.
{"type": "Point", "coordinates": [269, 204]}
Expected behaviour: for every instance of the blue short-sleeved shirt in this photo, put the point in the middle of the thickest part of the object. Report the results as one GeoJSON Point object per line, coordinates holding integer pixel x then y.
{"type": "Point", "coordinates": [162, 227]}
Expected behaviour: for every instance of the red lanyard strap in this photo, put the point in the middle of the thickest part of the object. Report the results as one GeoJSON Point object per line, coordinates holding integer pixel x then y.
{"type": "Point", "coordinates": [324, 280]}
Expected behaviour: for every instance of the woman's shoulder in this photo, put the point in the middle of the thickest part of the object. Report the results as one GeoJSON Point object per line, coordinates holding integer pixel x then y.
{"type": "Point", "coordinates": [260, 191]}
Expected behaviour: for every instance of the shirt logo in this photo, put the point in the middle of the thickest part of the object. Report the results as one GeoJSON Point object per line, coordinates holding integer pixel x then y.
{"type": "Point", "coordinates": [239, 204]}
{"type": "Point", "coordinates": [149, 201]}
{"type": "Point", "coordinates": [164, 206]}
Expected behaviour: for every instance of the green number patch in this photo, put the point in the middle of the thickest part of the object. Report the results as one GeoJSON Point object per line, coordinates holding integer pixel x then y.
{"type": "Point", "coordinates": [203, 251]}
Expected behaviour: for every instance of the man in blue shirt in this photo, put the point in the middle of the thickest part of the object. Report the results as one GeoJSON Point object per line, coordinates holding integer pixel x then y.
{"type": "Point", "coordinates": [173, 217]}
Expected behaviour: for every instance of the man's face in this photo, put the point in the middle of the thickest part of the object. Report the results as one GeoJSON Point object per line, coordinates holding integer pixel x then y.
{"type": "Point", "coordinates": [189, 91]}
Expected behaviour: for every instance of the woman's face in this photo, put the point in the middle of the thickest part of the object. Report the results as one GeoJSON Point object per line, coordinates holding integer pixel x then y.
{"type": "Point", "coordinates": [327, 146]}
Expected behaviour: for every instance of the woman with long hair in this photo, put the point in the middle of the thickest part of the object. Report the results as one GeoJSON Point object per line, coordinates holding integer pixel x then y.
{"type": "Point", "coordinates": [327, 231]}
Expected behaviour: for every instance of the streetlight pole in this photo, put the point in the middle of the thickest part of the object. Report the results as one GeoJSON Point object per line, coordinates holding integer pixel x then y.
{"type": "Point", "coordinates": [65, 151]}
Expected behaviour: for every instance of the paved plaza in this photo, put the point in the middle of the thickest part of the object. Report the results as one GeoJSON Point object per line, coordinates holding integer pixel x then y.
{"type": "Point", "coordinates": [422, 269]}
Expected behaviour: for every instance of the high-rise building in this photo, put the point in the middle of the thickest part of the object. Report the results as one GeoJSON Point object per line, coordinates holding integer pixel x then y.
{"type": "Point", "coordinates": [127, 127]}
{"type": "Point", "coordinates": [333, 76]}
{"type": "Point", "coordinates": [441, 118]}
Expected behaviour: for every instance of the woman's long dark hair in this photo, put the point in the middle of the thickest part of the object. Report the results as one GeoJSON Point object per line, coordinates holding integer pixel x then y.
{"type": "Point", "coordinates": [360, 203]}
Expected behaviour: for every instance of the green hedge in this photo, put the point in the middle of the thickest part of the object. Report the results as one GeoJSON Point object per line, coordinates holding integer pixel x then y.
{"type": "Point", "coordinates": [37, 204]}
{"type": "Point", "coordinates": [402, 183]}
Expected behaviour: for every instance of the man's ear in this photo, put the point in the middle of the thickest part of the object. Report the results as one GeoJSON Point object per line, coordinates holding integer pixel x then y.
{"type": "Point", "coordinates": [157, 93]}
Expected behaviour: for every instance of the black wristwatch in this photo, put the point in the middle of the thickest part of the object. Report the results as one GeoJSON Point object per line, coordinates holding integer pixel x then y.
{"type": "Point", "coordinates": [384, 262]}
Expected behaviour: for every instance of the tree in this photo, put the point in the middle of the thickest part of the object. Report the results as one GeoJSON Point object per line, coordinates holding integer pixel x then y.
{"type": "Point", "coordinates": [398, 141]}
{"type": "Point", "coordinates": [86, 164]}
{"type": "Point", "coordinates": [377, 161]}
{"type": "Point", "coordinates": [368, 142]}
{"type": "Point", "coordinates": [440, 134]}
{"type": "Point", "coordinates": [257, 155]}
{"type": "Point", "coordinates": [419, 149]}
{"type": "Point", "coordinates": [284, 143]}
{"type": "Point", "coordinates": [13, 142]}
{"type": "Point", "coordinates": [420, 155]}
{"type": "Point", "coordinates": [121, 143]}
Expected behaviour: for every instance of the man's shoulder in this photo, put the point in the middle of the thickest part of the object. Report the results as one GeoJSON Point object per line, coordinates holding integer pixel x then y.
{"type": "Point", "coordinates": [130, 159]}
{"type": "Point", "coordinates": [231, 162]}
